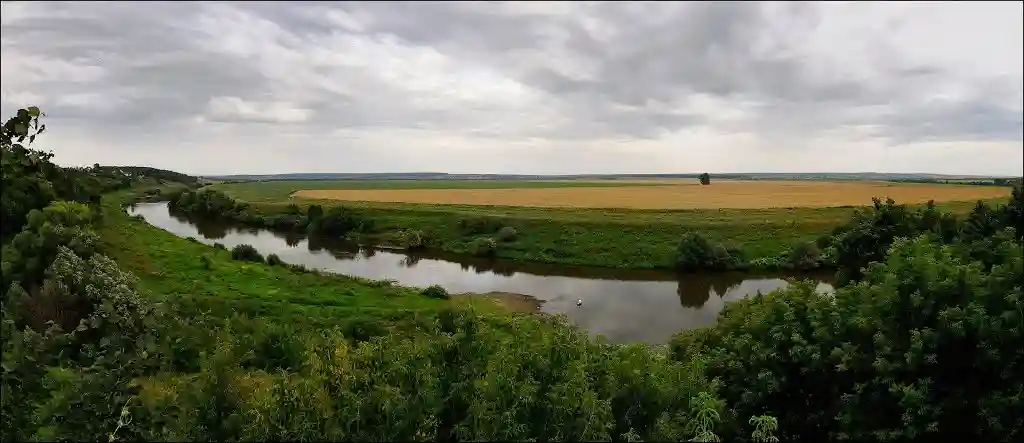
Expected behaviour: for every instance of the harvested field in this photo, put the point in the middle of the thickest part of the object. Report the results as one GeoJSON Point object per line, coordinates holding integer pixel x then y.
{"type": "Point", "coordinates": [722, 194]}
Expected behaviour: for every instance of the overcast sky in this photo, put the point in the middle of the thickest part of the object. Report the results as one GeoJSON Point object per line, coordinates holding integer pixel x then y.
{"type": "Point", "coordinates": [546, 88]}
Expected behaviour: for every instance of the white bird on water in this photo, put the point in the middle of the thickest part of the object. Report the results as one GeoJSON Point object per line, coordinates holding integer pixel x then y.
{"type": "Point", "coordinates": [579, 302]}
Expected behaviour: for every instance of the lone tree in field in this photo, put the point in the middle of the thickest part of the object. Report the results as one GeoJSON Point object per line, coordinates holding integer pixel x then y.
{"type": "Point", "coordinates": [705, 179]}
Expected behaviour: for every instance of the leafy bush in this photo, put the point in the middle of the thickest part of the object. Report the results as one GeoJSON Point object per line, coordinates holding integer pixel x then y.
{"type": "Point", "coordinates": [363, 329]}
{"type": "Point", "coordinates": [315, 212]}
{"type": "Point", "coordinates": [31, 251]}
{"type": "Point", "coordinates": [436, 291]}
{"type": "Point", "coordinates": [804, 255]}
{"type": "Point", "coordinates": [478, 225]}
{"type": "Point", "coordinates": [339, 221]}
{"type": "Point", "coordinates": [696, 252]}
{"type": "Point", "coordinates": [246, 253]}
{"type": "Point", "coordinates": [219, 246]}
{"type": "Point", "coordinates": [482, 247]}
{"type": "Point", "coordinates": [506, 234]}
{"type": "Point", "coordinates": [828, 256]}
{"type": "Point", "coordinates": [414, 239]}
{"type": "Point", "coordinates": [274, 260]}
{"type": "Point", "coordinates": [870, 233]}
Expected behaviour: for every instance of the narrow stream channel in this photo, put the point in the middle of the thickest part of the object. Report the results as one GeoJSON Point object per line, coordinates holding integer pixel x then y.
{"type": "Point", "coordinates": [623, 305]}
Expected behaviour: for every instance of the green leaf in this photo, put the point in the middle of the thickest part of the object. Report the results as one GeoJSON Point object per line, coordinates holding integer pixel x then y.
{"type": "Point", "coordinates": [33, 111]}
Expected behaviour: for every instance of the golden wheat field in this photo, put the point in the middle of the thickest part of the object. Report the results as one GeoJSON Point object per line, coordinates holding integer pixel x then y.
{"type": "Point", "coordinates": [678, 195]}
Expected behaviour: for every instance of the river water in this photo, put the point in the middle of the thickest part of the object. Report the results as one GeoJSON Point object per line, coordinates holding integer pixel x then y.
{"type": "Point", "coordinates": [623, 305]}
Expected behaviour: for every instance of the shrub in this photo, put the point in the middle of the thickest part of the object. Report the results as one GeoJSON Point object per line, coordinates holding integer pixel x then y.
{"type": "Point", "coordinates": [828, 256]}
{"type": "Point", "coordinates": [274, 260]}
{"type": "Point", "coordinates": [339, 221]}
{"type": "Point", "coordinates": [413, 239]}
{"type": "Point", "coordinates": [478, 225]}
{"type": "Point", "coordinates": [804, 255]}
{"type": "Point", "coordinates": [507, 234]}
{"type": "Point", "coordinates": [482, 247]}
{"type": "Point", "coordinates": [736, 255]}
{"type": "Point", "coordinates": [363, 329]}
{"type": "Point", "coordinates": [246, 253]}
{"type": "Point", "coordinates": [696, 252]}
{"type": "Point", "coordinates": [314, 212]}
{"type": "Point", "coordinates": [436, 291]}
{"type": "Point", "coordinates": [219, 246]}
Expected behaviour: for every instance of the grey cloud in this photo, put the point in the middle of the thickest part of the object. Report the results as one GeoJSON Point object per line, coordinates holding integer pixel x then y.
{"type": "Point", "coordinates": [572, 72]}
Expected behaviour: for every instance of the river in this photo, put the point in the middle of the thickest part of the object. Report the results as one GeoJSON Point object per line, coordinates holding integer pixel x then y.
{"type": "Point", "coordinates": [623, 305]}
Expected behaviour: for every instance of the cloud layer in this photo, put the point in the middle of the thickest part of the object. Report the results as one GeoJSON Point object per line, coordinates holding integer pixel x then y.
{"type": "Point", "coordinates": [603, 87]}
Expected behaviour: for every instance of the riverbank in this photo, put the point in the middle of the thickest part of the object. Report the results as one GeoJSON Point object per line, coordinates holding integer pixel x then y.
{"type": "Point", "coordinates": [198, 277]}
{"type": "Point", "coordinates": [626, 306]}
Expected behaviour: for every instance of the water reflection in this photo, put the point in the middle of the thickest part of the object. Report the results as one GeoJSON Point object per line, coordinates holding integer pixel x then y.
{"type": "Point", "coordinates": [623, 305]}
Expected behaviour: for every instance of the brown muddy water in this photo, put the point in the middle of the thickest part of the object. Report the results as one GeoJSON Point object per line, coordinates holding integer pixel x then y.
{"type": "Point", "coordinates": [623, 305]}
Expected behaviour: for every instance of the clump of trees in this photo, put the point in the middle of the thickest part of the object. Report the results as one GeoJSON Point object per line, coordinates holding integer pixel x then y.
{"type": "Point", "coordinates": [697, 252]}
{"type": "Point", "coordinates": [884, 357]}
{"type": "Point", "coordinates": [336, 221]}
{"type": "Point", "coordinates": [870, 233]}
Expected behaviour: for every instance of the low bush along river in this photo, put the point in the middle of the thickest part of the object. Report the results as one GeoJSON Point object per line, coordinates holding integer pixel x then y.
{"type": "Point", "coordinates": [623, 305]}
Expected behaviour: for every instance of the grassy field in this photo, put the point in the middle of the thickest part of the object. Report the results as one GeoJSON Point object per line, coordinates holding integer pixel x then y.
{"type": "Point", "coordinates": [682, 195]}
{"type": "Point", "coordinates": [610, 237]}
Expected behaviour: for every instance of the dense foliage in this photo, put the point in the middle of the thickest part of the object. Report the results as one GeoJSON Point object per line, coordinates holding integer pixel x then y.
{"type": "Point", "coordinates": [870, 233]}
{"type": "Point", "coordinates": [925, 341]}
{"type": "Point", "coordinates": [697, 252]}
{"type": "Point", "coordinates": [152, 173]}
{"type": "Point", "coordinates": [929, 342]}
{"type": "Point", "coordinates": [336, 221]}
